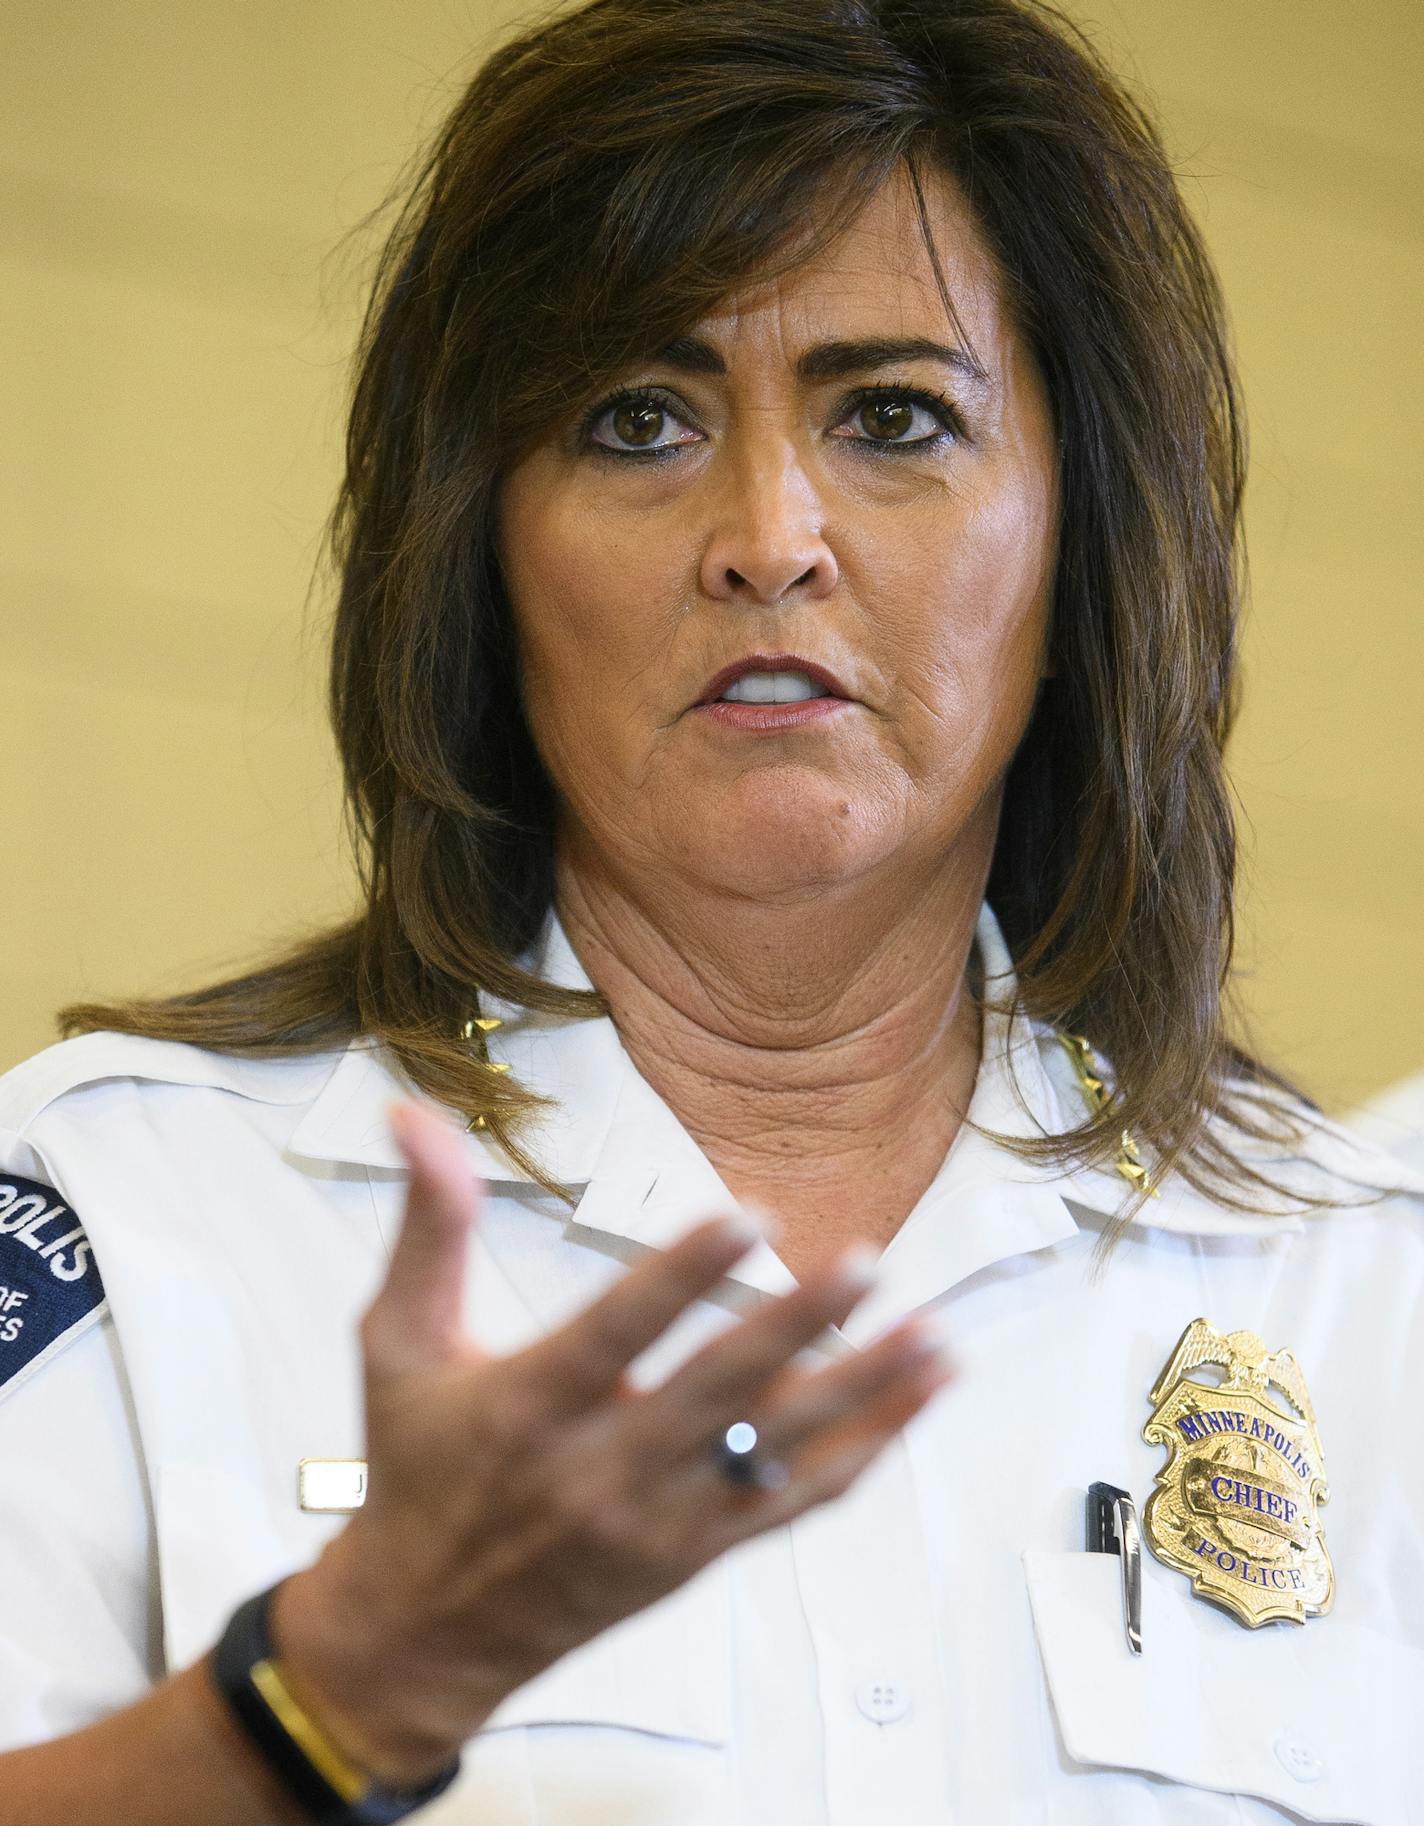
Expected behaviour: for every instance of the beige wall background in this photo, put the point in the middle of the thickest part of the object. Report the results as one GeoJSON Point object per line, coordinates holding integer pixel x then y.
{"type": "Point", "coordinates": [176, 326]}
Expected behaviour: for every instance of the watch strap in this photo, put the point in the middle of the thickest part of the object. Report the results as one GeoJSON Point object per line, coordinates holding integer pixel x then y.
{"type": "Point", "coordinates": [330, 1789]}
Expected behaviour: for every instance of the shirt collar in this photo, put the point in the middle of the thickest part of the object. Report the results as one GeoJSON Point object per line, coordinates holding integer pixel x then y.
{"type": "Point", "coordinates": [578, 1065]}
{"type": "Point", "coordinates": [643, 1177]}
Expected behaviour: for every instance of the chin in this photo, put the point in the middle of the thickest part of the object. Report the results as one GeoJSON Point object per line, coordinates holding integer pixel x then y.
{"type": "Point", "coordinates": [768, 841]}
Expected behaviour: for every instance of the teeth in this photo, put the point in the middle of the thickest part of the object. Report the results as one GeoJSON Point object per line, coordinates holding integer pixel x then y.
{"type": "Point", "coordinates": [771, 688]}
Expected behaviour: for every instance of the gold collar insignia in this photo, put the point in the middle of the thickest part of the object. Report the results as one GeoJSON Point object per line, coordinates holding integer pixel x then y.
{"type": "Point", "coordinates": [1236, 1506]}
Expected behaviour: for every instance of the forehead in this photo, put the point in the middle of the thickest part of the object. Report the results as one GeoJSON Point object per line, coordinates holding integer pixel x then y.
{"type": "Point", "coordinates": [877, 279]}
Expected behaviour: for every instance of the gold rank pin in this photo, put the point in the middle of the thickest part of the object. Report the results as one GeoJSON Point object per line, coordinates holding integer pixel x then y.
{"type": "Point", "coordinates": [1128, 1159]}
{"type": "Point", "coordinates": [473, 1033]}
{"type": "Point", "coordinates": [1237, 1504]}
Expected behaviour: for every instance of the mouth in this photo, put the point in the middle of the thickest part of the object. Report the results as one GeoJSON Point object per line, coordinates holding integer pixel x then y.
{"type": "Point", "coordinates": [772, 680]}
{"type": "Point", "coordinates": [771, 693]}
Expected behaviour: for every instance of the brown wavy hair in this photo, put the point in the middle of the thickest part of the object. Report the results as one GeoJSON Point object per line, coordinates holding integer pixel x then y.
{"type": "Point", "coordinates": [610, 175]}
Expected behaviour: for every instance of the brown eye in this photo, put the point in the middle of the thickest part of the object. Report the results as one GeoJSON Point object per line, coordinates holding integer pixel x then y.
{"type": "Point", "coordinates": [887, 420]}
{"type": "Point", "coordinates": [638, 422]}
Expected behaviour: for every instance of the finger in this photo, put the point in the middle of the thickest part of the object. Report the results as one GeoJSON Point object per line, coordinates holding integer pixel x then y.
{"type": "Point", "coordinates": [801, 1406]}
{"type": "Point", "coordinates": [829, 1462]}
{"type": "Point", "coordinates": [415, 1319]}
{"type": "Point", "coordinates": [826, 1467]}
{"type": "Point", "coordinates": [729, 1375]}
{"type": "Point", "coordinates": [581, 1362]}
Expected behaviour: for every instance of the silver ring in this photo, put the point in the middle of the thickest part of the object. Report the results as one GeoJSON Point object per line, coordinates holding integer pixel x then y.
{"type": "Point", "coordinates": [738, 1459]}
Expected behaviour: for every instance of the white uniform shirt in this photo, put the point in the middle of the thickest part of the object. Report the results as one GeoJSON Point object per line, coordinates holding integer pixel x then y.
{"type": "Point", "coordinates": [935, 1646]}
{"type": "Point", "coordinates": [1394, 1119]}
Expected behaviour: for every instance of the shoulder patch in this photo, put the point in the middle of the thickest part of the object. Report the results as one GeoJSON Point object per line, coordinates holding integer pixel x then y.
{"type": "Point", "coordinates": [50, 1289]}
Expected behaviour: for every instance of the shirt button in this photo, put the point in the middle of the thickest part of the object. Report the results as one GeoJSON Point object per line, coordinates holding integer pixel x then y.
{"type": "Point", "coordinates": [1297, 1759]}
{"type": "Point", "coordinates": [883, 1701]}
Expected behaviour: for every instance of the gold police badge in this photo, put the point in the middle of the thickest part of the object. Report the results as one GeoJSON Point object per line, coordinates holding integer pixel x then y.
{"type": "Point", "coordinates": [1236, 1504]}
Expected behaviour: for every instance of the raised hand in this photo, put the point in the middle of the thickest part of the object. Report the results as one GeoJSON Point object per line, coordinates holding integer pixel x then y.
{"type": "Point", "coordinates": [518, 1505]}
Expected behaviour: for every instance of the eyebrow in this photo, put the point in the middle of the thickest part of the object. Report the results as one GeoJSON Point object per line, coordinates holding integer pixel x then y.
{"type": "Point", "coordinates": [832, 360]}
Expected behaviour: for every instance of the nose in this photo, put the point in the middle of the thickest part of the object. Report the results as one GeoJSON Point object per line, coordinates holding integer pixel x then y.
{"type": "Point", "coordinates": [767, 539]}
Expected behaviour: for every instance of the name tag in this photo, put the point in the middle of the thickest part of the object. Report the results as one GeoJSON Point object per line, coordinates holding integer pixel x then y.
{"type": "Point", "coordinates": [331, 1486]}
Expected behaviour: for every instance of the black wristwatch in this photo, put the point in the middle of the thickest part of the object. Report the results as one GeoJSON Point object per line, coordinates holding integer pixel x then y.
{"type": "Point", "coordinates": [297, 1750]}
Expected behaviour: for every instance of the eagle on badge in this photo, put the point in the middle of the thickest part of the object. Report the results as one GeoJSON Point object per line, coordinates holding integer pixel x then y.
{"type": "Point", "coordinates": [1247, 1362]}
{"type": "Point", "coordinates": [1236, 1506]}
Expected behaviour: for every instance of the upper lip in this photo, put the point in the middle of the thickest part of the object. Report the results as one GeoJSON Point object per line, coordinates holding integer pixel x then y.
{"type": "Point", "coordinates": [771, 662]}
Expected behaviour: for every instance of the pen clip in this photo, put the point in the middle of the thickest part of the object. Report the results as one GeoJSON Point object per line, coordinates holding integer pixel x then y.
{"type": "Point", "coordinates": [1113, 1528]}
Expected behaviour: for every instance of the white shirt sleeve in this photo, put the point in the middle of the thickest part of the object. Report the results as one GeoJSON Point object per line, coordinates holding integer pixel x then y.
{"type": "Point", "coordinates": [80, 1632]}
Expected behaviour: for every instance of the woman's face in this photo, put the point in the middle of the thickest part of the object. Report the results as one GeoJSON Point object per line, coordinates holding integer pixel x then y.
{"type": "Point", "coordinates": [786, 487]}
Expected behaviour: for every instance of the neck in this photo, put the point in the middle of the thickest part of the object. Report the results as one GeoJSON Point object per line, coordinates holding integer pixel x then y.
{"type": "Point", "coordinates": [824, 1042]}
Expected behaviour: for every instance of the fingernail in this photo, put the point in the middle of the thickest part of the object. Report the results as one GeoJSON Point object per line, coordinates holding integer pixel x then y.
{"type": "Point", "coordinates": [933, 1351]}
{"type": "Point", "coordinates": [754, 1222]}
{"type": "Point", "coordinates": [936, 1330]}
{"type": "Point", "coordinates": [741, 1228]}
{"type": "Point", "coordinates": [405, 1120]}
{"type": "Point", "coordinates": [858, 1265]}
{"type": "Point", "coordinates": [930, 1332]}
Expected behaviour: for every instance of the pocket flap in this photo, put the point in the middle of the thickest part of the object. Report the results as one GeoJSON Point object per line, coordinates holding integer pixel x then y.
{"type": "Point", "coordinates": [1305, 1716]}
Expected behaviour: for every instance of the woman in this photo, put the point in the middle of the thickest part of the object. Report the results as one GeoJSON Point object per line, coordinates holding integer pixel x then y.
{"type": "Point", "coordinates": [782, 670]}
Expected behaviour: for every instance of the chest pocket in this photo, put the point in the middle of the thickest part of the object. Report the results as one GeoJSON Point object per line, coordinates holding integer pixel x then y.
{"type": "Point", "coordinates": [1320, 1720]}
